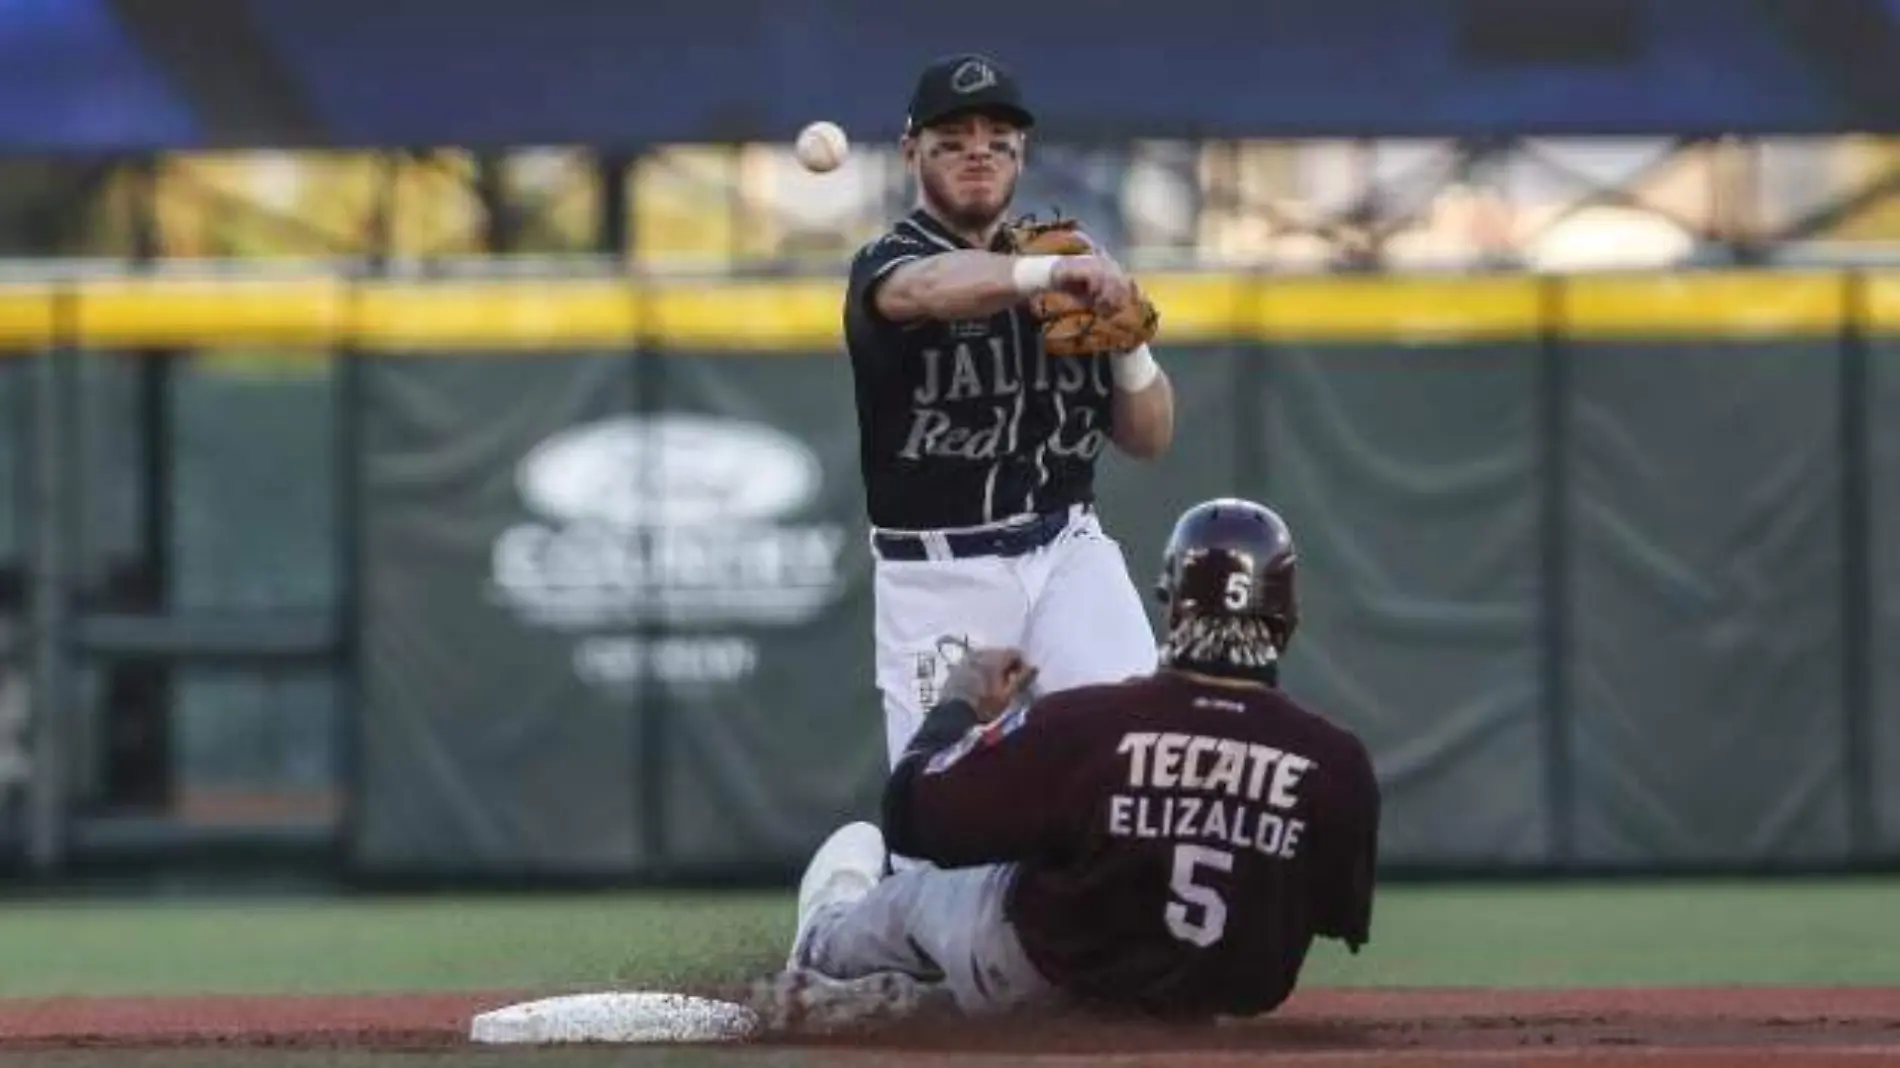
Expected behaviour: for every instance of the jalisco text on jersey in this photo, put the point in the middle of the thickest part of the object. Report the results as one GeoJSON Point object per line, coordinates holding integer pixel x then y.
{"type": "Point", "coordinates": [933, 432]}
{"type": "Point", "coordinates": [1260, 774]}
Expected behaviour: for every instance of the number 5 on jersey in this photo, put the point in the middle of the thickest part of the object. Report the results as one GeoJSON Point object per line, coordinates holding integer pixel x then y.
{"type": "Point", "coordinates": [1199, 915]}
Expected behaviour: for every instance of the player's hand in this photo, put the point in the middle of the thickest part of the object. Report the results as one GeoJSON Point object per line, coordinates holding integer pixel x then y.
{"type": "Point", "coordinates": [990, 680]}
{"type": "Point", "coordinates": [1097, 279]}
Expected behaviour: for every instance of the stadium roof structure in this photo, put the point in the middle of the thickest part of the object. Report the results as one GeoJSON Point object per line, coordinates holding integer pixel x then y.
{"type": "Point", "coordinates": [92, 76]}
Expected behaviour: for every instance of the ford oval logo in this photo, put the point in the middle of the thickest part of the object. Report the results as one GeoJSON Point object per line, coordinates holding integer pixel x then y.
{"type": "Point", "coordinates": [673, 469]}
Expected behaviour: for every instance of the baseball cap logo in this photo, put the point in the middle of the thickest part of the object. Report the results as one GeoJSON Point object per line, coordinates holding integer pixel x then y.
{"type": "Point", "coordinates": [973, 76]}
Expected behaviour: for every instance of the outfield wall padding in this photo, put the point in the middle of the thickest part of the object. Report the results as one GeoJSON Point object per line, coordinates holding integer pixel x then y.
{"type": "Point", "coordinates": [1605, 569]}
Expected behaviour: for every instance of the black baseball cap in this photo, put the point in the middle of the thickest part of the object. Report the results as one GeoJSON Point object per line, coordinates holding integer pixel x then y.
{"type": "Point", "coordinates": [967, 82]}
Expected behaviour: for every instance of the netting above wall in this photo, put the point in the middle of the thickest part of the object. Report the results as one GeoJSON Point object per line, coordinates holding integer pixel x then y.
{"type": "Point", "coordinates": [1557, 204]}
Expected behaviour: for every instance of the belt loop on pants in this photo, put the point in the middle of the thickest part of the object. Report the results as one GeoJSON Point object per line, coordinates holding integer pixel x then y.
{"type": "Point", "coordinates": [936, 545]}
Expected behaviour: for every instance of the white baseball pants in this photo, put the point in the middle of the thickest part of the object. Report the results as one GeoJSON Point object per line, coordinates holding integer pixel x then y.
{"type": "Point", "coordinates": [1070, 606]}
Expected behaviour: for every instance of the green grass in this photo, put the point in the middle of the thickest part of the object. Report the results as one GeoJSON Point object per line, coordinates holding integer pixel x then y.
{"type": "Point", "coordinates": [421, 943]}
{"type": "Point", "coordinates": [1597, 934]}
{"type": "Point", "coordinates": [1799, 932]}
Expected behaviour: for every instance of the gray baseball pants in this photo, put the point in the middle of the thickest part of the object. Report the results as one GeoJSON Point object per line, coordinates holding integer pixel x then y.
{"type": "Point", "coordinates": [926, 921]}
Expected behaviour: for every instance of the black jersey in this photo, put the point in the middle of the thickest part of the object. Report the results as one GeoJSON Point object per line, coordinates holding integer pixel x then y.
{"type": "Point", "coordinates": [969, 422]}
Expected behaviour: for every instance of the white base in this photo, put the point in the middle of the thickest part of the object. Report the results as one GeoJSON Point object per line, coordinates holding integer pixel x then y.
{"type": "Point", "coordinates": [615, 1018]}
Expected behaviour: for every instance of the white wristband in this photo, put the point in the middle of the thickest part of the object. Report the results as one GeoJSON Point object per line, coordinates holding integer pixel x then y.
{"type": "Point", "coordinates": [1134, 370]}
{"type": "Point", "coordinates": [1033, 274]}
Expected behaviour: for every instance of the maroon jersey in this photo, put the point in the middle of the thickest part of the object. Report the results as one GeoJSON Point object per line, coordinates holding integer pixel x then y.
{"type": "Point", "coordinates": [1180, 843]}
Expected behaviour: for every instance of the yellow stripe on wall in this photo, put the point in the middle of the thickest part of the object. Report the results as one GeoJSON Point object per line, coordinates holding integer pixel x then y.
{"type": "Point", "coordinates": [802, 315]}
{"type": "Point", "coordinates": [1727, 305]}
{"type": "Point", "coordinates": [1199, 308]}
{"type": "Point", "coordinates": [510, 316]}
{"type": "Point", "coordinates": [26, 318]}
{"type": "Point", "coordinates": [1882, 296]}
{"type": "Point", "coordinates": [805, 316]}
{"type": "Point", "coordinates": [1404, 310]}
{"type": "Point", "coordinates": [116, 313]}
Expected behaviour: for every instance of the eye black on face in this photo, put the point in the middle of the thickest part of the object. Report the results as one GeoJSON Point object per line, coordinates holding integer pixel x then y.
{"type": "Point", "coordinates": [955, 136]}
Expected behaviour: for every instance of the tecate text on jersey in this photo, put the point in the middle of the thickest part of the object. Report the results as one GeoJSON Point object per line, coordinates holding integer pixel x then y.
{"type": "Point", "coordinates": [1167, 761]}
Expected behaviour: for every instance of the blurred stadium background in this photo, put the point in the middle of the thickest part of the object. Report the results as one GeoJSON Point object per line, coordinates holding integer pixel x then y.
{"type": "Point", "coordinates": [1562, 330]}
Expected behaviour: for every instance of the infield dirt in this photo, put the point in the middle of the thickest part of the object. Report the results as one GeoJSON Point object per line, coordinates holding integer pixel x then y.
{"type": "Point", "coordinates": [1666, 1027]}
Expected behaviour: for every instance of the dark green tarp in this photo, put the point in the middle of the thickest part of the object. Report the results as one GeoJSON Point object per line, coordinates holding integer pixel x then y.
{"type": "Point", "coordinates": [1410, 476]}
{"type": "Point", "coordinates": [1705, 585]}
{"type": "Point", "coordinates": [486, 567]}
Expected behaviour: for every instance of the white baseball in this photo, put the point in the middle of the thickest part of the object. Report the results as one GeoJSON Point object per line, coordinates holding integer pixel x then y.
{"type": "Point", "coordinates": [822, 147]}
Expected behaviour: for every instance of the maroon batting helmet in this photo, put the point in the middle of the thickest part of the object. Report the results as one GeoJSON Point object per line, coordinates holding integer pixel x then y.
{"type": "Point", "coordinates": [1227, 580]}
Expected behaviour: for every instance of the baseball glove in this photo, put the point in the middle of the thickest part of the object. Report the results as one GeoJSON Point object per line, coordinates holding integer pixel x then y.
{"type": "Point", "coordinates": [1070, 326]}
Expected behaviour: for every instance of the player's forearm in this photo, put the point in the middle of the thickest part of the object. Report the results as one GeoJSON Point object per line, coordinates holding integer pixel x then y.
{"type": "Point", "coordinates": [967, 284]}
{"type": "Point", "coordinates": [961, 796]}
{"type": "Point", "coordinates": [943, 726]}
{"type": "Point", "coordinates": [1143, 425]}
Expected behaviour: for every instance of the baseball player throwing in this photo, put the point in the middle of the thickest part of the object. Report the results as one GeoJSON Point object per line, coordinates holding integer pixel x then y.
{"type": "Point", "coordinates": [993, 363]}
{"type": "Point", "coordinates": [1169, 845]}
